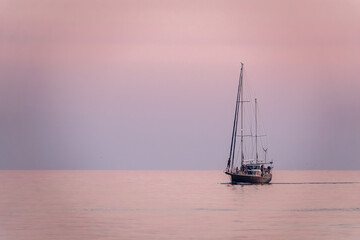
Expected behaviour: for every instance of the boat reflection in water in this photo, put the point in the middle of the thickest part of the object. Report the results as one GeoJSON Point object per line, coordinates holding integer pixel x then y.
{"type": "Point", "coordinates": [254, 170]}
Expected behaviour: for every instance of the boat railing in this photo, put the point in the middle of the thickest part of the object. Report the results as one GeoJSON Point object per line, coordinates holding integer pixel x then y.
{"type": "Point", "coordinates": [254, 161]}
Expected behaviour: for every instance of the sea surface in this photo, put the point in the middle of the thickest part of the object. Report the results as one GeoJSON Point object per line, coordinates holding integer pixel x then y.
{"type": "Point", "coordinates": [177, 205]}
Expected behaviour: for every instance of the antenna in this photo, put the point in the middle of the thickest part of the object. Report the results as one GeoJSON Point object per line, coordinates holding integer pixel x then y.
{"type": "Point", "coordinates": [256, 132]}
{"type": "Point", "coordinates": [265, 150]}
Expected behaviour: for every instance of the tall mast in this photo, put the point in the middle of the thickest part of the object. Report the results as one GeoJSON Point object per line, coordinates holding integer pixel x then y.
{"type": "Point", "coordinates": [256, 132]}
{"type": "Point", "coordinates": [242, 116]}
{"type": "Point", "coordinates": [236, 119]}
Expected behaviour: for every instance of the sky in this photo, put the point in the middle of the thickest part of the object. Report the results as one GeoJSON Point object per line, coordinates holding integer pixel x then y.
{"type": "Point", "coordinates": [146, 84]}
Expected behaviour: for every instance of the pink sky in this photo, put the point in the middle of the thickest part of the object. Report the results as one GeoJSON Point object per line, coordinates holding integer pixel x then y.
{"type": "Point", "coordinates": [152, 84]}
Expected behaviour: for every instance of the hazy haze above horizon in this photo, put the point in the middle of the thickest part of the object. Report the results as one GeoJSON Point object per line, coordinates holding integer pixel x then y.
{"type": "Point", "coordinates": [152, 84]}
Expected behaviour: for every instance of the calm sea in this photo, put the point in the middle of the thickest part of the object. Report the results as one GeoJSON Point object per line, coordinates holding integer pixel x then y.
{"type": "Point", "coordinates": [177, 205]}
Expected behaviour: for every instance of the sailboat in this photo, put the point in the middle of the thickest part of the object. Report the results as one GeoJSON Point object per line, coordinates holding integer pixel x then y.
{"type": "Point", "coordinates": [251, 170]}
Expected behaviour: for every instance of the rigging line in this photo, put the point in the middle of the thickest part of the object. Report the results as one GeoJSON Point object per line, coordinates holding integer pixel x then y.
{"type": "Point", "coordinates": [245, 149]}
{"type": "Point", "coordinates": [234, 147]}
{"type": "Point", "coordinates": [233, 141]}
{"type": "Point", "coordinates": [262, 129]}
{"type": "Point", "coordinates": [261, 142]}
{"type": "Point", "coordinates": [251, 150]}
{"type": "Point", "coordinates": [233, 130]}
{"type": "Point", "coordinates": [235, 122]}
{"type": "Point", "coordinates": [237, 156]}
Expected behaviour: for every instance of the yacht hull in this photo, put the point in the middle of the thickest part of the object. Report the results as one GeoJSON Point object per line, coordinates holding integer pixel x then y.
{"type": "Point", "coordinates": [242, 178]}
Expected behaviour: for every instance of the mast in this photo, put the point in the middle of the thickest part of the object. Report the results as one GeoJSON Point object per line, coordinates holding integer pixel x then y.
{"type": "Point", "coordinates": [236, 119]}
{"type": "Point", "coordinates": [242, 116]}
{"type": "Point", "coordinates": [256, 132]}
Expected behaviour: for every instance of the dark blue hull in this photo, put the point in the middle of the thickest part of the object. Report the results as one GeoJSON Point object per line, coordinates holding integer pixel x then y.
{"type": "Point", "coordinates": [242, 178]}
